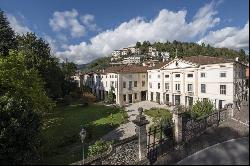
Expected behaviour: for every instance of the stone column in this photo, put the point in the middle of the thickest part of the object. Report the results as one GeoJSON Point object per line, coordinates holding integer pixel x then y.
{"type": "Point", "coordinates": [177, 119]}
{"type": "Point", "coordinates": [141, 132]}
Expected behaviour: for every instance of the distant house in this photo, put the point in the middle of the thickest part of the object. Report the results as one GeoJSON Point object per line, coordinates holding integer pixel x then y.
{"type": "Point", "coordinates": [131, 60]}
{"type": "Point", "coordinates": [116, 53]}
{"type": "Point", "coordinates": [134, 50]}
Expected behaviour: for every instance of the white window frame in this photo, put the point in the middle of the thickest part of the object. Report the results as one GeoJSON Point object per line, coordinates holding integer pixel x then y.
{"type": "Point", "coordinates": [204, 89]}
{"type": "Point", "coordinates": [190, 89]}
{"type": "Point", "coordinates": [204, 75]}
{"type": "Point", "coordinates": [223, 89]}
{"type": "Point", "coordinates": [167, 86]}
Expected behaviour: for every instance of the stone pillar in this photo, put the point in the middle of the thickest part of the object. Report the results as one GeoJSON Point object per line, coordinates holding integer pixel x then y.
{"type": "Point", "coordinates": [177, 119]}
{"type": "Point", "coordinates": [141, 131]}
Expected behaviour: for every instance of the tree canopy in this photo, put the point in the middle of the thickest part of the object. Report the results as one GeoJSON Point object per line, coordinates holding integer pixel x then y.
{"type": "Point", "coordinates": [7, 36]}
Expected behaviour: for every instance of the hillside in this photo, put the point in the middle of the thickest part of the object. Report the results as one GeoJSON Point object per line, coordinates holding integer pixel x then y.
{"type": "Point", "coordinates": [184, 49]}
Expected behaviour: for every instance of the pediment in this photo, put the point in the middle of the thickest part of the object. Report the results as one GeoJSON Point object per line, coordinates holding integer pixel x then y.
{"type": "Point", "coordinates": [179, 64]}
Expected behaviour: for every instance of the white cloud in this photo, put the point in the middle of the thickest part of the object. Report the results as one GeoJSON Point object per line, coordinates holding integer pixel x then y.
{"type": "Point", "coordinates": [17, 25]}
{"type": "Point", "coordinates": [168, 25]}
{"type": "Point", "coordinates": [230, 37]}
{"type": "Point", "coordinates": [88, 20]}
{"type": "Point", "coordinates": [67, 20]}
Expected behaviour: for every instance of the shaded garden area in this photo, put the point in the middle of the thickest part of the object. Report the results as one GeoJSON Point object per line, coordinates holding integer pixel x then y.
{"type": "Point", "coordinates": [61, 142]}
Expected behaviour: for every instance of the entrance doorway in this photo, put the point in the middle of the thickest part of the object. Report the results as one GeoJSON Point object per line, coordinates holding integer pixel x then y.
{"type": "Point", "coordinates": [152, 96]}
{"type": "Point", "coordinates": [157, 97]}
{"type": "Point", "coordinates": [190, 101]}
{"type": "Point", "coordinates": [220, 104]}
{"type": "Point", "coordinates": [177, 99]}
{"type": "Point", "coordinates": [130, 98]}
{"type": "Point", "coordinates": [143, 95]}
{"type": "Point", "coordinates": [167, 98]}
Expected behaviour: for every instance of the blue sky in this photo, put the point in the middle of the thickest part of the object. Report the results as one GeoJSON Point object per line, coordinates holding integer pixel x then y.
{"type": "Point", "coordinates": [84, 30]}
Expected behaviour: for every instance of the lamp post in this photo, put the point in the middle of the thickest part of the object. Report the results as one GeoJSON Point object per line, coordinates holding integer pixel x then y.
{"type": "Point", "coordinates": [82, 136]}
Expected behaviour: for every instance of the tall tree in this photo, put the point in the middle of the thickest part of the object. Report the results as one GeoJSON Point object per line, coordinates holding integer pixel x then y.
{"type": "Point", "coordinates": [38, 56]}
{"type": "Point", "coordinates": [7, 36]}
{"type": "Point", "coordinates": [22, 102]}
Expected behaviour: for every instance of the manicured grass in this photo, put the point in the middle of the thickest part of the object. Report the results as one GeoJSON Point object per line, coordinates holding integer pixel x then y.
{"type": "Point", "coordinates": [61, 142]}
{"type": "Point", "coordinates": [158, 114]}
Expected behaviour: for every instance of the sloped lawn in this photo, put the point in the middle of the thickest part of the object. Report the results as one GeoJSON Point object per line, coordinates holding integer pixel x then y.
{"type": "Point", "coordinates": [61, 142]}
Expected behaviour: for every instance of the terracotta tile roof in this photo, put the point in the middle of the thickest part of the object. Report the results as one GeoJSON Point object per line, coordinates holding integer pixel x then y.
{"type": "Point", "coordinates": [126, 69]}
{"type": "Point", "coordinates": [205, 60]}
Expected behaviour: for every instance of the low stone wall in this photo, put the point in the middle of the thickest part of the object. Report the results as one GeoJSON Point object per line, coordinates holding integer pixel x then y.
{"type": "Point", "coordinates": [124, 152]}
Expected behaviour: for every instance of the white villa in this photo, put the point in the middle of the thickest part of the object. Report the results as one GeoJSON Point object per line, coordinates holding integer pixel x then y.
{"type": "Point", "coordinates": [129, 83]}
{"type": "Point", "coordinates": [185, 80]}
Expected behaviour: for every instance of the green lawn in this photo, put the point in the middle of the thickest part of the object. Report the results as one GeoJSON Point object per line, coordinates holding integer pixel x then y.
{"type": "Point", "coordinates": [159, 113]}
{"type": "Point", "coordinates": [61, 143]}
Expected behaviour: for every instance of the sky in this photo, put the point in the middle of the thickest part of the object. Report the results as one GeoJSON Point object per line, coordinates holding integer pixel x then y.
{"type": "Point", "coordinates": [82, 31]}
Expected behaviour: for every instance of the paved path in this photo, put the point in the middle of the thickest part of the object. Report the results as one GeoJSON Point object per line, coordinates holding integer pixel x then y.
{"type": "Point", "coordinates": [128, 129]}
{"type": "Point", "coordinates": [232, 152]}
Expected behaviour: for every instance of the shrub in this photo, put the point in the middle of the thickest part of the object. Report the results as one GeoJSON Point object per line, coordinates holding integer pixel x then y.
{"type": "Point", "coordinates": [67, 100]}
{"type": "Point", "coordinates": [202, 108]}
{"type": "Point", "coordinates": [89, 97]}
{"type": "Point", "coordinates": [99, 147]}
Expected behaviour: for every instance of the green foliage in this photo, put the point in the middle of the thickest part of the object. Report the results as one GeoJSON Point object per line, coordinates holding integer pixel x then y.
{"type": "Point", "coordinates": [202, 108]}
{"type": "Point", "coordinates": [19, 131]}
{"type": "Point", "coordinates": [111, 95]}
{"type": "Point", "coordinates": [38, 57]}
{"type": "Point", "coordinates": [7, 39]}
{"type": "Point", "coordinates": [98, 64]}
{"type": "Point", "coordinates": [69, 69]}
{"type": "Point", "coordinates": [99, 147]}
{"type": "Point", "coordinates": [22, 101]}
{"type": "Point", "coordinates": [159, 115]}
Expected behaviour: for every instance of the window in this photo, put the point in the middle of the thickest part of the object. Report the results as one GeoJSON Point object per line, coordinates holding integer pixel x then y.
{"type": "Point", "coordinates": [159, 76]}
{"type": "Point", "coordinates": [223, 89]}
{"type": "Point", "coordinates": [143, 76]}
{"type": "Point", "coordinates": [150, 85]}
{"type": "Point", "coordinates": [135, 83]}
{"type": "Point", "coordinates": [115, 76]}
{"type": "Point", "coordinates": [112, 84]}
{"type": "Point", "coordinates": [143, 83]}
{"type": "Point", "coordinates": [167, 86]}
{"type": "Point", "coordinates": [106, 84]}
{"type": "Point", "coordinates": [115, 84]}
{"type": "Point", "coordinates": [106, 76]}
{"type": "Point", "coordinates": [190, 75]}
{"type": "Point", "coordinates": [110, 76]}
{"type": "Point", "coordinates": [177, 87]}
{"type": "Point", "coordinates": [190, 88]}
{"type": "Point", "coordinates": [130, 85]}
{"type": "Point", "coordinates": [124, 84]}
{"type": "Point", "coordinates": [177, 75]}
{"type": "Point", "coordinates": [135, 96]}
{"type": "Point", "coordinates": [166, 76]}
{"type": "Point", "coordinates": [223, 74]}
{"type": "Point", "coordinates": [149, 76]}
{"type": "Point", "coordinates": [203, 88]}
{"type": "Point", "coordinates": [124, 97]}
{"type": "Point", "coordinates": [203, 74]}
{"type": "Point", "coordinates": [159, 85]}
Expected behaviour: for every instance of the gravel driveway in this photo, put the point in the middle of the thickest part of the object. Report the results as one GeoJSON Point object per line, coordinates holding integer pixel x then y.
{"type": "Point", "coordinates": [128, 129]}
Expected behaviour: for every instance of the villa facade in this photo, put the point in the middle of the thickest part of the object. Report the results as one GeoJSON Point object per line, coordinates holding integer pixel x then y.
{"type": "Point", "coordinates": [185, 80]}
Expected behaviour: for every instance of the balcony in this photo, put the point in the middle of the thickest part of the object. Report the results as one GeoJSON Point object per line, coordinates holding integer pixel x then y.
{"type": "Point", "coordinates": [190, 93]}
{"type": "Point", "coordinates": [178, 91]}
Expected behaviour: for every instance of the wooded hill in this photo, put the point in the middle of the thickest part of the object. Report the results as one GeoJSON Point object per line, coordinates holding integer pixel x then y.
{"type": "Point", "coordinates": [184, 49]}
